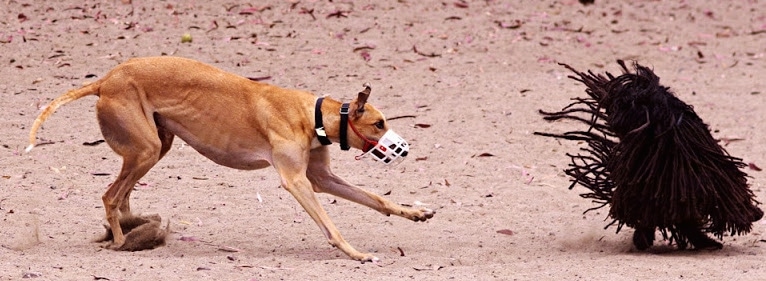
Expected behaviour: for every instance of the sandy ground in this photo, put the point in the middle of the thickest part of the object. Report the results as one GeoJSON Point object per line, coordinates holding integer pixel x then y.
{"type": "Point", "coordinates": [473, 74]}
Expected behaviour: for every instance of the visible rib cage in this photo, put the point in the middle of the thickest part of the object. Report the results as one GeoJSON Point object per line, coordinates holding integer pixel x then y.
{"type": "Point", "coordinates": [654, 161]}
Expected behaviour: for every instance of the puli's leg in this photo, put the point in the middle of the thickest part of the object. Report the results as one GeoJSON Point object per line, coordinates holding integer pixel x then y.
{"type": "Point", "coordinates": [697, 238]}
{"type": "Point", "coordinates": [643, 238]}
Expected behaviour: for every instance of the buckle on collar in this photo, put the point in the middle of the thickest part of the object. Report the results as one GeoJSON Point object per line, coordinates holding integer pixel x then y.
{"type": "Point", "coordinates": [318, 126]}
{"type": "Point", "coordinates": [321, 132]}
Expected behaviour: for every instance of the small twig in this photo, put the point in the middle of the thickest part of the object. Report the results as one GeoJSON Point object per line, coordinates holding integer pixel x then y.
{"type": "Point", "coordinates": [431, 55]}
{"type": "Point", "coordinates": [45, 142]}
{"type": "Point", "coordinates": [93, 143]}
{"type": "Point", "coordinates": [401, 117]}
{"type": "Point", "coordinates": [309, 12]}
{"type": "Point", "coordinates": [262, 78]}
{"type": "Point", "coordinates": [275, 268]}
{"type": "Point", "coordinates": [338, 14]}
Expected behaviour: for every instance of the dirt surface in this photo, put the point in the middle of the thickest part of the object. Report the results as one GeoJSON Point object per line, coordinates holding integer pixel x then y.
{"type": "Point", "coordinates": [467, 78]}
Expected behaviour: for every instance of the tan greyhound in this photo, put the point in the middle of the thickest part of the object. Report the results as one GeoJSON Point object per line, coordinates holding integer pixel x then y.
{"type": "Point", "coordinates": [235, 122]}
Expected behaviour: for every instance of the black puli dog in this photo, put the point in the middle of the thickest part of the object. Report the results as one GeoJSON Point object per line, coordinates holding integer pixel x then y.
{"type": "Point", "coordinates": [654, 162]}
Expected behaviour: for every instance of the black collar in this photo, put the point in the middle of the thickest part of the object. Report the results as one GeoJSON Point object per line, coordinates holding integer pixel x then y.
{"type": "Point", "coordinates": [344, 127]}
{"type": "Point", "coordinates": [318, 124]}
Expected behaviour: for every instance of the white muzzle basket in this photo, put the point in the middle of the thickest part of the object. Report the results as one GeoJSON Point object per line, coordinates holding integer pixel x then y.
{"type": "Point", "coordinates": [391, 148]}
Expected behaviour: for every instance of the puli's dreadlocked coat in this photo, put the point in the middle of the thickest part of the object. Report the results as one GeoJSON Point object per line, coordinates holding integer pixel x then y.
{"type": "Point", "coordinates": [653, 160]}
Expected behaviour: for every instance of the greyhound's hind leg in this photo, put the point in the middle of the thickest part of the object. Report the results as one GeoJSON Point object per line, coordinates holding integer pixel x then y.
{"type": "Point", "coordinates": [129, 133]}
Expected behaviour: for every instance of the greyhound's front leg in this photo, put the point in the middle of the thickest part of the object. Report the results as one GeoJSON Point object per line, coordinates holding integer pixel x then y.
{"type": "Point", "coordinates": [292, 170]}
{"type": "Point", "coordinates": [325, 181]}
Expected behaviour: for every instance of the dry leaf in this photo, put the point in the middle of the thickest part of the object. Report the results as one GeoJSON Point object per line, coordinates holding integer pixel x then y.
{"type": "Point", "coordinates": [93, 143]}
{"type": "Point", "coordinates": [727, 140]}
{"type": "Point", "coordinates": [430, 55]}
{"type": "Point", "coordinates": [429, 267]}
{"type": "Point", "coordinates": [461, 4]}
{"type": "Point", "coordinates": [188, 239]}
{"type": "Point", "coordinates": [365, 55]}
{"type": "Point", "coordinates": [401, 252]}
{"type": "Point", "coordinates": [259, 78]}
{"type": "Point", "coordinates": [57, 170]}
{"type": "Point", "coordinates": [506, 231]}
{"type": "Point", "coordinates": [753, 167]}
{"type": "Point", "coordinates": [229, 249]}
{"type": "Point", "coordinates": [64, 195]}
{"type": "Point", "coordinates": [31, 274]}
{"type": "Point", "coordinates": [338, 14]}
{"type": "Point", "coordinates": [512, 25]}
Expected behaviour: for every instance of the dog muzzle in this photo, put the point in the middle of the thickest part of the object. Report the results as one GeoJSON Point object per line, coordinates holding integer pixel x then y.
{"type": "Point", "coordinates": [391, 148]}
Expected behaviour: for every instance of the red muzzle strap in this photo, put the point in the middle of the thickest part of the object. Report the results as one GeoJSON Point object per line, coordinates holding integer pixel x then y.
{"type": "Point", "coordinates": [344, 124]}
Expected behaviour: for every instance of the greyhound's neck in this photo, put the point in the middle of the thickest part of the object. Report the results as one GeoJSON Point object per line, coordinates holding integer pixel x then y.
{"type": "Point", "coordinates": [331, 118]}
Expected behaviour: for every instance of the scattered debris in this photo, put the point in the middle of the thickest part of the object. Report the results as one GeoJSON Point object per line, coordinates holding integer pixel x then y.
{"type": "Point", "coordinates": [186, 38]}
{"type": "Point", "coordinates": [428, 268]}
{"type": "Point", "coordinates": [727, 140]}
{"type": "Point", "coordinates": [506, 232]}
{"type": "Point", "coordinates": [512, 25]}
{"type": "Point", "coordinates": [229, 249]}
{"type": "Point", "coordinates": [188, 238]}
{"type": "Point", "coordinates": [401, 117]}
{"type": "Point", "coordinates": [93, 143]}
{"type": "Point", "coordinates": [430, 55]}
{"type": "Point", "coordinates": [141, 233]}
{"type": "Point", "coordinates": [753, 167]}
{"type": "Point", "coordinates": [338, 14]}
{"type": "Point", "coordinates": [258, 79]}
{"type": "Point", "coordinates": [31, 274]}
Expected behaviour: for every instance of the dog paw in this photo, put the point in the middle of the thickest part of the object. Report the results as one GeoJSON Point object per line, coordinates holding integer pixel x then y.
{"type": "Point", "coordinates": [113, 246]}
{"type": "Point", "coordinates": [424, 214]}
{"type": "Point", "coordinates": [369, 258]}
{"type": "Point", "coordinates": [643, 238]}
{"type": "Point", "coordinates": [706, 244]}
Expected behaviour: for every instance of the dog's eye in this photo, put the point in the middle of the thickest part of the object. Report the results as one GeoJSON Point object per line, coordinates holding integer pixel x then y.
{"type": "Point", "coordinates": [380, 124]}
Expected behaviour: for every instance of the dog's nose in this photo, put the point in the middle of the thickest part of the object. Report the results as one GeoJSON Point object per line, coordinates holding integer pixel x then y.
{"type": "Point", "coordinates": [404, 154]}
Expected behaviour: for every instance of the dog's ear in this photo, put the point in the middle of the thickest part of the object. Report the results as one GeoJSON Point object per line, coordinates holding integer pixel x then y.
{"type": "Point", "coordinates": [361, 99]}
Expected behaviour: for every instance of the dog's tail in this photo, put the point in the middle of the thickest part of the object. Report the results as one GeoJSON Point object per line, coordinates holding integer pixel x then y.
{"type": "Point", "coordinates": [72, 95]}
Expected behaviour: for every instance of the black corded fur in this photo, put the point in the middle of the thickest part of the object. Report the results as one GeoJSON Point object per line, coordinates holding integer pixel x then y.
{"type": "Point", "coordinates": [653, 160]}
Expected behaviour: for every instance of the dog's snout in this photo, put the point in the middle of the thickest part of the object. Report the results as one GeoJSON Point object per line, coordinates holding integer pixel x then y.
{"type": "Point", "coordinates": [399, 149]}
{"type": "Point", "coordinates": [390, 147]}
